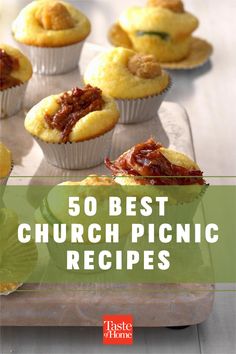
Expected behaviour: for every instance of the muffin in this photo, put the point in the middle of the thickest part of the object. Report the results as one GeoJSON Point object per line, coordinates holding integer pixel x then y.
{"type": "Point", "coordinates": [16, 70]}
{"type": "Point", "coordinates": [52, 33]}
{"type": "Point", "coordinates": [75, 128]}
{"type": "Point", "coordinates": [136, 81]}
{"type": "Point", "coordinates": [163, 29]}
{"type": "Point", "coordinates": [171, 173]}
{"type": "Point", "coordinates": [149, 169]}
{"type": "Point", "coordinates": [53, 210]}
{"type": "Point", "coordinates": [151, 163]}
{"type": "Point", "coordinates": [5, 163]}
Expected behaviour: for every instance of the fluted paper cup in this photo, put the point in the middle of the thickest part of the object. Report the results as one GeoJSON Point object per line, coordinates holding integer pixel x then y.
{"type": "Point", "coordinates": [11, 100]}
{"type": "Point", "coordinates": [77, 155]}
{"type": "Point", "coordinates": [140, 109]}
{"type": "Point", "coordinates": [53, 61]}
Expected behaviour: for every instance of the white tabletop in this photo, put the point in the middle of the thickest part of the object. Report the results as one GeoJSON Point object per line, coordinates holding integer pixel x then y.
{"type": "Point", "coordinates": [208, 94]}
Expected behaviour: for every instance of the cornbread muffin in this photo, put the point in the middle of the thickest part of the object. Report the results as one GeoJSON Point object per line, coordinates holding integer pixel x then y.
{"type": "Point", "coordinates": [53, 210]}
{"type": "Point", "coordinates": [173, 174]}
{"type": "Point", "coordinates": [54, 206]}
{"type": "Point", "coordinates": [90, 125]}
{"type": "Point", "coordinates": [15, 67]}
{"type": "Point", "coordinates": [46, 25]}
{"type": "Point", "coordinates": [74, 128]}
{"type": "Point", "coordinates": [151, 163]}
{"type": "Point", "coordinates": [16, 71]}
{"type": "Point", "coordinates": [121, 73]}
{"type": "Point", "coordinates": [50, 24]}
{"type": "Point", "coordinates": [149, 169]}
{"type": "Point", "coordinates": [162, 29]}
{"type": "Point", "coordinates": [136, 81]}
{"type": "Point", "coordinates": [5, 163]}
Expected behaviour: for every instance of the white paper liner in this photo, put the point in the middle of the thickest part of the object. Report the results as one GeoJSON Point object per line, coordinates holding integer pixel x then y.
{"type": "Point", "coordinates": [53, 61]}
{"type": "Point", "coordinates": [141, 109]}
{"type": "Point", "coordinates": [11, 100]}
{"type": "Point", "coordinates": [78, 155]}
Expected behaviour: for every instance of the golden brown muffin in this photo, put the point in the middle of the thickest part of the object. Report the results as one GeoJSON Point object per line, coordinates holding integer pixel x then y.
{"type": "Point", "coordinates": [50, 24]}
{"type": "Point", "coordinates": [122, 73]}
{"type": "Point", "coordinates": [151, 163]}
{"type": "Point", "coordinates": [163, 29]}
{"type": "Point", "coordinates": [15, 68]}
{"type": "Point", "coordinates": [54, 205]}
{"type": "Point", "coordinates": [73, 116]}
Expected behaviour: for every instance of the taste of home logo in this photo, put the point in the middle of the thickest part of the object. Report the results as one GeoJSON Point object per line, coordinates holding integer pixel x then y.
{"type": "Point", "coordinates": [117, 330]}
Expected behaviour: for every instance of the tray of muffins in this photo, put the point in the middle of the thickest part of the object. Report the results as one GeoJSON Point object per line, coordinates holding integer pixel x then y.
{"type": "Point", "coordinates": [70, 109]}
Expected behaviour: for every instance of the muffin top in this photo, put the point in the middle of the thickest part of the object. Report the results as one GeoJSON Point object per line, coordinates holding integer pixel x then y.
{"type": "Point", "coordinates": [92, 180]}
{"type": "Point", "coordinates": [50, 24]}
{"type": "Point", "coordinates": [15, 68]}
{"type": "Point", "coordinates": [158, 20]}
{"type": "Point", "coordinates": [73, 116]}
{"type": "Point", "coordinates": [5, 161]}
{"type": "Point", "coordinates": [151, 159]}
{"type": "Point", "coordinates": [173, 5]}
{"type": "Point", "coordinates": [122, 73]}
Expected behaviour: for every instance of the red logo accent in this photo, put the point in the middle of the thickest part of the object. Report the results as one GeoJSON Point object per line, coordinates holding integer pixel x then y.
{"type": "Point", "coordinates": [117, 329]}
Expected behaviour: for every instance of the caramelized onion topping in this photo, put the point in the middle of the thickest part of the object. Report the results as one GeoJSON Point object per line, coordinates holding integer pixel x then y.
{"type": "Point", "coordinates": [7, 65]}
{"type": "Point", "coordinates": [147, 160]}
{"type": "Point", "coordinates": [74, 105]}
